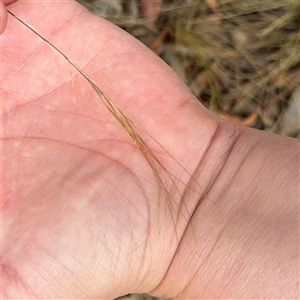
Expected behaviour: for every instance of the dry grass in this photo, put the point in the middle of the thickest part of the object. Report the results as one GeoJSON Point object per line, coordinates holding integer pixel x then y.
{"type": "Point", "coordinates": [240, 58]}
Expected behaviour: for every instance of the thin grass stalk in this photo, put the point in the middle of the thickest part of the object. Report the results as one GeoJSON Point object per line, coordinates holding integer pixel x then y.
{"type": "Point", "coordinates": [127, 124]}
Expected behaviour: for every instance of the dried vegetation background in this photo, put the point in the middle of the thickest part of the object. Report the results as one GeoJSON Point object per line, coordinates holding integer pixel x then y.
{"type": "Point", "coordinates": [240, 58]}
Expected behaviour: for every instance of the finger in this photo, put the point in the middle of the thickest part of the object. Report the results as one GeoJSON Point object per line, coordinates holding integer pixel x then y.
{"type": "Point", "coordinates": [3, 17]}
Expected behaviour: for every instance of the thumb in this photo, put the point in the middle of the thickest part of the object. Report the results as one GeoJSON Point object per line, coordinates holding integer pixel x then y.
{"type": "Point", "coordinates": [3, 17]}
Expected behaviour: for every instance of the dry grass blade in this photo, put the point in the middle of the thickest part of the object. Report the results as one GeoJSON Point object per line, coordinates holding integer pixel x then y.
{"type": "Point", "coordinates": [127, 124]}
{"type": "Point", "coordinates": [153, 162]}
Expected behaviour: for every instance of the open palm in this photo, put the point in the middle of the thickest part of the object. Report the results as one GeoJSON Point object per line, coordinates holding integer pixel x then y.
{"type": "Point", "coordinates": [83, 214]}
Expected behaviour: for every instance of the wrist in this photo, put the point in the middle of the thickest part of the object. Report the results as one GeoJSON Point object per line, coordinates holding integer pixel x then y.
{"type": "Point", "coordinates": [241, 240]}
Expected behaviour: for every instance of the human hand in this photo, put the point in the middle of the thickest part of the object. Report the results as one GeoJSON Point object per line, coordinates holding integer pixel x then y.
{"type": "Point", "coordinates": [83, 214]}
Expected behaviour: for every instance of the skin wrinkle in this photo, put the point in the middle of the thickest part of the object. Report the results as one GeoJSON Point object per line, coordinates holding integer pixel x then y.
{"type": "Point", "coordinates": [229, 258]}
{"type": "Point", "coordinates": [137, 177]}
{"type": "Point", "coordinates": [36, 99]}
{"type": "Point", "coordinates": [236, 173]}
{"type": "Point", "coordinates": [203, 261]}
{"type": "Point", "coordinates": [193, 180]}
{"type": "Point", "coordinates": [68, 144]}
{"type": "Point", "coordinates": [191, 216]}
{"type": "Point", "coordinates": [239, 168]}
{"type": "Point", "coordinates": [241, 268]}
{"type": "Point", "coordinates": [251, 152]}
{"type": "Point", "coordinates": [19, 71]}
{"type": "Point", "coordinates": [33, 54]}
{"type": "Point", "coordinates": [98, 153]}
{"type": "Point", "coordinates": [219, 236]}
{"type": "Point", "coordinates": [88, 63]}
{"type": "Point", "coordinates": [226, 154]}
{"type": "Point", "coordinates": [233, 138]}
{"type": "Point", "coordinates": [91, 62]}
{"type": "Point", "coordinates": [15, 280]}
{"type": "Point", "coordinates": [54, 278]}
{"type": "Point", "coordinates": [54, 30]}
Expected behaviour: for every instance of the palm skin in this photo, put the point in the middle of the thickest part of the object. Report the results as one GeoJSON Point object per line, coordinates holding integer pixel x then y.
{"type": "Point", "coordinates": [82, 213]}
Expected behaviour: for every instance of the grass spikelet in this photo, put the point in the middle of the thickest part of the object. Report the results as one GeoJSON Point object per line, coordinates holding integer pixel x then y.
{"type": "Point", "coordinates": [128, 125]}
